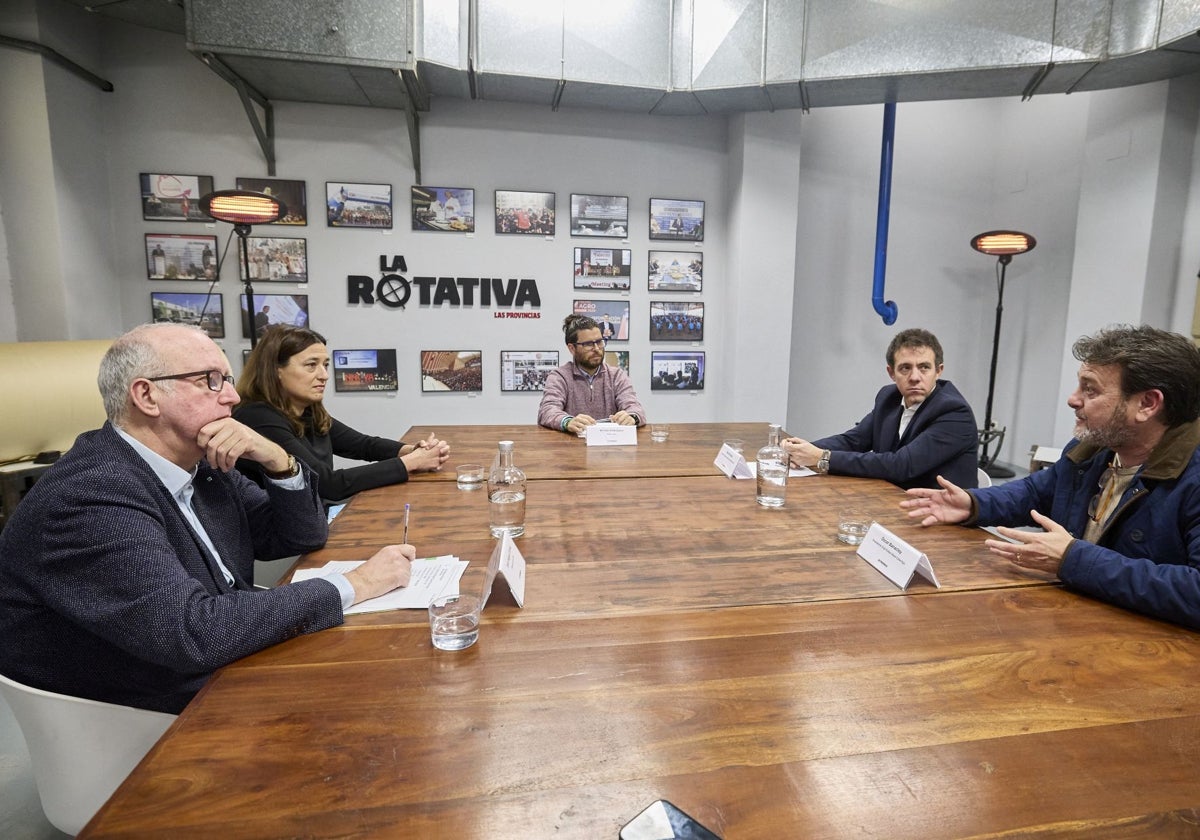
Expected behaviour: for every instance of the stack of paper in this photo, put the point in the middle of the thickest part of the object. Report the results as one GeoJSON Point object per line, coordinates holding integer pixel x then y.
{"type": "Point", "coordinates": [432, 577]}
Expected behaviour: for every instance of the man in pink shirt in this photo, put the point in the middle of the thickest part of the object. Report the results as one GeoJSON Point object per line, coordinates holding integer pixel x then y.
{"type": "Point", "coordinates": [585, 390]}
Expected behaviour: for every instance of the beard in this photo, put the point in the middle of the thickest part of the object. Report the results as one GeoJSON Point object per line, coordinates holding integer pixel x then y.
{"type": "Point", "coordinates": [1113, 434]}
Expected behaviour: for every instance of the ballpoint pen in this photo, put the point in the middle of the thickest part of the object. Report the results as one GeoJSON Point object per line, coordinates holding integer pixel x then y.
{"type": "Point", "coordinates": [405, 540]}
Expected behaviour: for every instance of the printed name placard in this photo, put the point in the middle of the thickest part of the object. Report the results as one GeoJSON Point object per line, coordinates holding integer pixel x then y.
{"type": "Point", "coordinates": [732, 463]}
{"type": "Point", "coordinates": [895, 559]}
{"type": "Point", "coordinates": [611, 434]}
{"type": "Point", "coordinates": [508, 564]}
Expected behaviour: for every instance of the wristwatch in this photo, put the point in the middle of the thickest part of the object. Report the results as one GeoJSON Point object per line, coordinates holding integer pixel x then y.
{"type": "Point", "coordinates": [293, 469]}
{"type": "Point", "coordinates": [823, 463]}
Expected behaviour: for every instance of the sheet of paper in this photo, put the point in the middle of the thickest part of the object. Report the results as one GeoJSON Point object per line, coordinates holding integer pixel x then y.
{"type": "Point", "coordinates": [431, 578]}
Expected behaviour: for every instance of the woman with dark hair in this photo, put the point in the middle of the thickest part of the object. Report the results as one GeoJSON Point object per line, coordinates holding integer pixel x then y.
{"type": "Point", "coordinates": [282, 387]}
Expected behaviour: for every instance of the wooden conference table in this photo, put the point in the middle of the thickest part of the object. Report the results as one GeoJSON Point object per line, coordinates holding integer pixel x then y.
{"type": "Point", "coordinates": [679, 642]}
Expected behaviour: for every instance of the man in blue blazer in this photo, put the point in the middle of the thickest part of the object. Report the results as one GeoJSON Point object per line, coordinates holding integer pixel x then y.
{"type": "Point", "coordinates": [126, 572]}
{"type": "Point", "coordinates": [919, 429]}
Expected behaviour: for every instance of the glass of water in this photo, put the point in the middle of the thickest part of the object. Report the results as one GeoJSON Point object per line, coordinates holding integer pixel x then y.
{"type": "Point", "coordinates": [454, 621]}
{"type": "Point", "coordinates": [471, 477]}
{"type": "Point", "coordinates": [853, 526]}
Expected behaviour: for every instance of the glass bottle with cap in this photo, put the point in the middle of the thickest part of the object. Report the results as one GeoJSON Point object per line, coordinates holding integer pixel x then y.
{"type": "Point", "coordinates": [772, 469]}
{"type": "Point", "coordinates": [506, 494]}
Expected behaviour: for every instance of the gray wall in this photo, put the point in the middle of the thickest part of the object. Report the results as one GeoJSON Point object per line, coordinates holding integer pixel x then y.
{"type": "Point", "coordinates": [791, 199]}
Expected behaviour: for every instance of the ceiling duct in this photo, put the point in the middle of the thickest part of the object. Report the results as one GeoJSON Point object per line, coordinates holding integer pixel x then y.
{"type": "Point", "coordinates": [680, 56]}
{"type": "Point", "coordinates": [343, 52]}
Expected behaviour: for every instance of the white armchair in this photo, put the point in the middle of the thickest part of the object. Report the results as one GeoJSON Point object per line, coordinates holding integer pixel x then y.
{"type": "Point", "coordinates": [81, 750]}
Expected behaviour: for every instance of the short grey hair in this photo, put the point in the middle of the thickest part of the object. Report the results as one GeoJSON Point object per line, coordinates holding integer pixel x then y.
{"type": "Point", "coordinates": [132, 356]}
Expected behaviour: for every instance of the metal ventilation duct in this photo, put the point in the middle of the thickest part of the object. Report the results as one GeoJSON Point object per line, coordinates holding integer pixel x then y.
{"type": "Point", "coordinates": [680, 56]}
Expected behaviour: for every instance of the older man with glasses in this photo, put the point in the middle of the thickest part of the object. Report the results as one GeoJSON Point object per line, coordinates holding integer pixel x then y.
{"type": "Point", "coordinates": [126, 573]}
{"type": "Point", "coordinates": [1119, 512]}
{"type": "Point", "coordinates": [585, 389]}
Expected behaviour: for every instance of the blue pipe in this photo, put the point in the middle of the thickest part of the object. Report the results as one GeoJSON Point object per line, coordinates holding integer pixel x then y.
{"type": "Point", "coordinates": [886, 310]}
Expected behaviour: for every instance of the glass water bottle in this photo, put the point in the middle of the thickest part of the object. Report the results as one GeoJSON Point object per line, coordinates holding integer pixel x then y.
{"type": "Point", "coordinates": [772, 470]}
{"type": "Point", "coordinates": [506, 494]}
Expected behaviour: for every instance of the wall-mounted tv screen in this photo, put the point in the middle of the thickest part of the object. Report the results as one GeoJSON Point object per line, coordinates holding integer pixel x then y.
{"type": "Point", "coordinates": [197, 308]}
{"type": "Point", "coordinates": [526, 370]}
{"type": "Point", "coordinates": [524, 213]}
{"type": "Point", "coordinates": [174, 198]}
{"type": "Point", "coordinates": [611, 315]}
{"type": "Point", "coordinates": [676, 321]}
{"type": "Point", "coordinates": [600, 215]}
{"type": "Point", "coordinates": [364, 370]}
{"type": "Point", "coordinates": [603, 268]}
{"type": "Point", "coordinates": [617, 358]}
{"type": "Point", "coordinates": [675, 271]}
{"type": "Point", "coordinates": [677, 218]}
{"type": "Point", "coordinates": [671, 371]}
{"type": "Point", "coordinates": [180, 256]}
{"type": "Point", "coordinates": [276, 259]}
{"type": "Point", "coordinates": [451, 370]}
{"type": "Point", "coordinates": [350, 205]}
{"type": "Point", "coordinates": [270, 310]}
{"type": "Point", "coordinates": [446, 209]}
{"type": "Point", "coordinates": [293, 194]}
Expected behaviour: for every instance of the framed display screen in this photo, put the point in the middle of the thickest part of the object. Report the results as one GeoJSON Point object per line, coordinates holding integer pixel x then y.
{"type": "Point", "coordinates": [174, 198]}
{"type": "Point", "coordinates": [364, 370]}
{"type": "Point", "coordinates": [276, 259]}
{"type": "Point", "coordinates": [445, 209]}
{"type": "Point", "coordinates": [676, 371]}
{"type": "Point", "coordinates": [358, 205]}
{"type": "Point", "coordinates": [617, 358]}
{"type": "Point", "coordinates": [180, 256]}
{"type": "Point", "coordinates": [675, 321]}
{"type": "Point", "coordinates": [451, 370]}
{"type": "Point", "coordinates": [677, 218]}
{"type": "Point", "coordinates": [599, 215]}
{"type": "Point", "coordinates": [198, 309]}
{"type": "Point", "coordinates": [524, 213]}
{"type": "Point", "coordinates": [270, 310]}
{"type": "Point", "coordinates": [675, 271]}
{"type": "Point", "coordinates": [603, 268]}
{"type": "Point", "coordinates": [526, 370]}
{"type": "Point", "coordinates": [611, 315]}
{"type": "Point", "coordinates": [293, 194]}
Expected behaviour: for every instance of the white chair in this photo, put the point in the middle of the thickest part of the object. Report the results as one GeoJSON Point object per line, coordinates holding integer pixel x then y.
{"type": "Point", "coordinates": [985, 480]}
{"type": "Point", "coordinates": [80, 749]}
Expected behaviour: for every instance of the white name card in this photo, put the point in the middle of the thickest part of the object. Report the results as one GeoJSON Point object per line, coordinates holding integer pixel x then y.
{"type": "Point", "coordinates": [732, 463]}
{"type": "Point", "coordinates": [895, 559]}
{"type": "Point", "coordinates": [508, 564]}
{"type": "Point", "coordinates": [611, 434]}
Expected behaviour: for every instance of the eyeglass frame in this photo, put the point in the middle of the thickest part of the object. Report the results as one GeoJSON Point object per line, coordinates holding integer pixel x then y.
{"type": "Point", "coordinates": [595, 342]}
{"type": "Point", "coordinates": [208, 374]}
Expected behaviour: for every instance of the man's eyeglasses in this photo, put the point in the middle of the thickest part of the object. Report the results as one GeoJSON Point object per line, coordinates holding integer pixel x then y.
{"type": "Point", "coordinates": [599, 342]}
{"type": "Point", "coordinates": [215, 379]}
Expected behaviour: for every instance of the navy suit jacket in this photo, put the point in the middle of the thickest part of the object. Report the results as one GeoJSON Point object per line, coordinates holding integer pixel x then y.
{"type": "Point", "coordinates": [107, 593]}
{"type": "Point", "coordinates": [941, 439]}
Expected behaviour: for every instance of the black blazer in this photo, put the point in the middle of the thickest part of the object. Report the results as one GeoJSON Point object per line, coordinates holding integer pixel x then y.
{"type": "Point", "coordinates": [941, 439]}
{"type": "Point", "coordinates": [107, 593]}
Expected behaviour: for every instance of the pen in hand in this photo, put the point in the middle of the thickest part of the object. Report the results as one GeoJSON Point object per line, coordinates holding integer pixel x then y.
{"type": "Point", "coordinates": [405, 540]}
